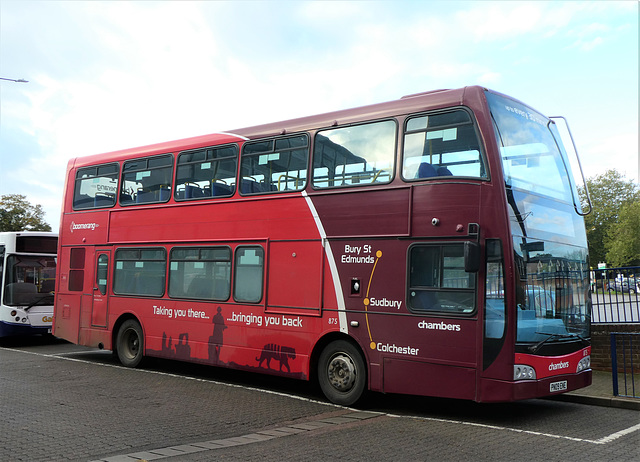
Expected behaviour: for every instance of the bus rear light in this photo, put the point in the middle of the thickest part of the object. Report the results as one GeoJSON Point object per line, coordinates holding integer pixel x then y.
{"type": "Point", "coordinates": [584, 364]}
{"type": "Point", "coordinates": [13, 313]}
{"type": "Point", "coordinates": [522, 372]}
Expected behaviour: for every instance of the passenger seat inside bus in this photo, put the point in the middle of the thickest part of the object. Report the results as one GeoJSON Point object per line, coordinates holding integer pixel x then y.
{"type": "Point", "coordinates": [103, 200]}
{"type": "Point", "coordinates": [200, 287]}
{"type": "Point", "coordinates": [219, 189]}
{"type": "Point", "coordinates": [444, 171]}
{"type": "Point", "coordinates": [193, 192]}
{"type": "Point", "coordinates": [248, 186]}
{"type": "Point", "coordinates": [426, 170]}
{"type": "Point", "coordinates": [145, 196]}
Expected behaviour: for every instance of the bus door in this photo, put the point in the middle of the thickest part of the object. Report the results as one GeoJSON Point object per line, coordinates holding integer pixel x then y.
{"type": "Point", "coordinates": [99, 309]}
{"type": "Point", "coordinates": [1, 273]}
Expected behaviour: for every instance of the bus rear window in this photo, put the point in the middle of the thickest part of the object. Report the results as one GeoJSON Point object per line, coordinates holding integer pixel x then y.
{"type": "Point", "coordinates": [95, 187]}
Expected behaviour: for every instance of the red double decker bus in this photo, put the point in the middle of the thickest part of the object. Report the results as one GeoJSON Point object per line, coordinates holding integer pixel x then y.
{"type": "Point", "coordinates": [432, 245]}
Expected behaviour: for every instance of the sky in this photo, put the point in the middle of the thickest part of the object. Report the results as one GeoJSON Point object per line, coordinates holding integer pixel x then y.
{"type": "Point", "coordinates": [104, 76]}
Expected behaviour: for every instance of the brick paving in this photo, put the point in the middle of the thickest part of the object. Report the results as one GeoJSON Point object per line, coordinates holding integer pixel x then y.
{"type": "Point", "coordinates": [65, 408]}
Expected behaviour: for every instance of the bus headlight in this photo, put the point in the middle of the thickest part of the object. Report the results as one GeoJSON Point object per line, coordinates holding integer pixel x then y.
{"type": "Point", "coordinates": [584, 364]}
{"type": "Point", "coordinates": [522, 372]}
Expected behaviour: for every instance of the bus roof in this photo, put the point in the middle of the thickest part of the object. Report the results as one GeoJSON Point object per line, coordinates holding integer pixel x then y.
{"type": "Point", "coordinates": [28, 233]}
{"type": "Point", "coordinates": [406, 104]}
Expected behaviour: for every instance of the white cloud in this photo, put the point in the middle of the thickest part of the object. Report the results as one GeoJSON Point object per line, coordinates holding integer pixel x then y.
{"type": "Point", "coordinates": [588, 36]}
{"type": "Point", "coordinates": [617, 151]}
{"type": "Point", "coordinates": [490, 79]}
{"type": "Point", "coordinates": [112, 75]}
{"type": "Point", "coordinates": [325, 13]}
{"type": "Point", "coordinates": [501, 21]}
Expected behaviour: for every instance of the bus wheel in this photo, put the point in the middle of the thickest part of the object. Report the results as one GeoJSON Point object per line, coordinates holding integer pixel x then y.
{"type": "Point", "coordinates": [130, 343]}
{"type": "Point", "coordinates": [342, 373]}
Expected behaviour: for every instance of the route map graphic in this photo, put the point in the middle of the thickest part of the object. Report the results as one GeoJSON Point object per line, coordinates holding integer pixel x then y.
{"type": "Point", "coordinates": [366, 300]}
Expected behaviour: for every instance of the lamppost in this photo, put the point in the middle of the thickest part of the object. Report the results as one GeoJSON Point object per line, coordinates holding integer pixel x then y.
{"type": "Point", "coordinates": [15, 80]}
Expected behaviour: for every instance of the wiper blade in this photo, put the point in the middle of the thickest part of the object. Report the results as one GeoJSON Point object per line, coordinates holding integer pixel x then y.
{"type": "Point", "coordinates": [582, 339]}
{"type": "Point", "coordinates": [36, 301]}
{"type": "Point", "coordinates": [537, 346]}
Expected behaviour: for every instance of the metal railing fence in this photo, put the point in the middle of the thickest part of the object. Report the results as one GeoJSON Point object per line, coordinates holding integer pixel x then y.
{"type": "Point", "coordinates": [615, 295]}
{"type": "Point", "coordinates": [625, 364]}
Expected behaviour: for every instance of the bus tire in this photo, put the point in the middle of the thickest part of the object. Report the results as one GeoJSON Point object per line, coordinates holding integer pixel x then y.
{"type": "Point", "coordinates": [130, 343]}
{"type": "Point", "coordinates": [342, 374]}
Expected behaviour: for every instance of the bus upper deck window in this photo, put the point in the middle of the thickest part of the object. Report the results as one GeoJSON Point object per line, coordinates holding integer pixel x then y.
{"type": "Point", "coordinates": [205, 173]}
{"type": "Point", "coordinates": [146, 180]}
{"type": "Point", "coordinates": [442, 145]}
{"type": "Point", "coordinates": [95, 187]}
{"type": "Point", "coordinates": [355, 155]}
{"type": "Point", "coordinates": [273, 165]}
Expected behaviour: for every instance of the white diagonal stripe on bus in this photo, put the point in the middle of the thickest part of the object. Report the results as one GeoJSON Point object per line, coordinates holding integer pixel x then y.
{"type": "Point", "coordinates": [337, 285]}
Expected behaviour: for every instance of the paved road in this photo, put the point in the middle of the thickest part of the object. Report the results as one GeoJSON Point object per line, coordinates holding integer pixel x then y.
{"type": "Point", "coordinates": [64, 402]}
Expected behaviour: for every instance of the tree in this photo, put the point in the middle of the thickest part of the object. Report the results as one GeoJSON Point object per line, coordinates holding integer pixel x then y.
{"type": "Point", "coordinates": [609, 193]}
{"type": "Point", "coordinates": [623, 243]}
{"type": "Point", "coordinates": [17, 214]}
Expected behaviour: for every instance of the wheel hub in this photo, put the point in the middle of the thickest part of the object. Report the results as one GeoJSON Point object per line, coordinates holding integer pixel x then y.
{"type": "Point", "coordinates": [133, 343]}
{"type": "Point", "coordinates": [341, 372]}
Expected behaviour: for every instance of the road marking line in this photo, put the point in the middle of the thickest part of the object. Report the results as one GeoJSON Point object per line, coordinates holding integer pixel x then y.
{"type": "Point", "coordinates": [497, 427]}
{"type": "Point", "coordinates": [94, 352]}
{"type": "Point", "coordinates": [603, 440]}
{"type": "Point", "coordinates": [616, 435]}
{"type": "Point", "coordinates": [184, 377]}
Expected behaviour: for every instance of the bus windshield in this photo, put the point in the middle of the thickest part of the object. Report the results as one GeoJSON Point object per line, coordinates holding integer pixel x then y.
{"type": "Point", "coordinates": [530, 150]}
{"type": "Point", "coordinates": [552, 292]}
{"type": "Point", "coordinates": [29, 280]}
{"type": "Point", "coordinates": [550, 247]}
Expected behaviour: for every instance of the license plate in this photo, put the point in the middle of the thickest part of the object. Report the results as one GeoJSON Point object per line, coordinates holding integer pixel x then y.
{"type": "Point", "coordinates": [558, 386]}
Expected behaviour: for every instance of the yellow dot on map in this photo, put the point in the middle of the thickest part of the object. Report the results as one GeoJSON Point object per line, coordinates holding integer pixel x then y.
{"type": "Point", "coordinates": [372, 345]}
{"type": "Point", "coordinates": [379, 253]}
{"type": "Point", "coordinates": [366, 302]}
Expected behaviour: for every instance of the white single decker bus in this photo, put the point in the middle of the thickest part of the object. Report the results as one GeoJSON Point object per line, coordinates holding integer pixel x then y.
{"type": "Point", "coordinates": [27, 277]}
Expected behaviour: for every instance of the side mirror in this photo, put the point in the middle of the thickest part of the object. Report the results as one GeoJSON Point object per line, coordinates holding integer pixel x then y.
{"type": "Point", "coordinates": [471, 257]}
